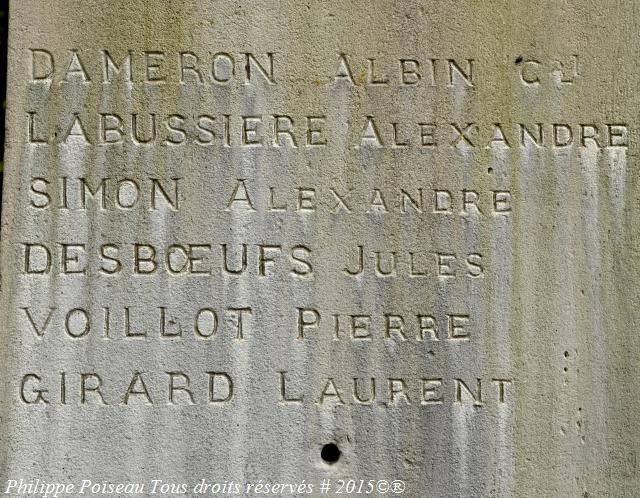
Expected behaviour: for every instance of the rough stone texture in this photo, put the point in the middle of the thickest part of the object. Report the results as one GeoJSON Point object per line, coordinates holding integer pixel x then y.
{"type": "Point", "coordinates": [554, 311]}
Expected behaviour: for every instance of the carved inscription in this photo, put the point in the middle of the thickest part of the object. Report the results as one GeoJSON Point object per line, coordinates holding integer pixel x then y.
{"type": "Point", "coordinates": [363, 246]}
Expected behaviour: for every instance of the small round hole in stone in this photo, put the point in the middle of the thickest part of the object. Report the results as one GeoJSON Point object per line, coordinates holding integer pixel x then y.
{"type": "Point", "coordinates": [330, 453]}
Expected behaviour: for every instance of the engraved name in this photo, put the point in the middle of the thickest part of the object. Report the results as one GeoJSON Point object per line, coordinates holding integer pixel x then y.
{"type": "Point", "coordinates": [311, 130]}
{"type": "Point", "coordinates": [219, 388]}
{"type": "Point", "coordinates": [414, 200]}
{"type": "Point", "coordinates": [205, 259]}
{"type": "Point", "coordinates": [397, 391]}
{"type": "Point", "coordinates": [155, 67]}
{"type": "Point", "coordinates": [130, 322]}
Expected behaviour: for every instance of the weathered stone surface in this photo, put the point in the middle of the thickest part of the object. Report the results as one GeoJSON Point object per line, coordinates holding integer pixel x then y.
{"type": "Point", "coordinates": [478, 156]}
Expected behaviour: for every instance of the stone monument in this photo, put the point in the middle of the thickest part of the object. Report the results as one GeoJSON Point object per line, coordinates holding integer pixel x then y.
{"type": "Point", "coordinates": [321, 248]}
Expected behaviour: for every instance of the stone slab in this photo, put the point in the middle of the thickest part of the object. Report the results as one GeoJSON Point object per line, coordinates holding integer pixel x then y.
{"type": "Point", "coordinates": [234, 233]}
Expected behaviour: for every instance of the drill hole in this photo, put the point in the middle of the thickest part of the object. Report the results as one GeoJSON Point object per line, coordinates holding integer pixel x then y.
{"type": "Point", "coordinates": [330, 453]}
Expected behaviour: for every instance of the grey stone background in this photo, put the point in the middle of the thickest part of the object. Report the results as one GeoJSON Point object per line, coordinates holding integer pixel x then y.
{"type": "Point", "coordinates": [555, 312]}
